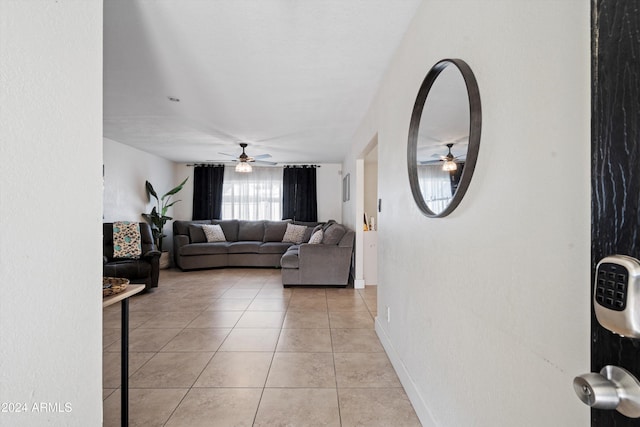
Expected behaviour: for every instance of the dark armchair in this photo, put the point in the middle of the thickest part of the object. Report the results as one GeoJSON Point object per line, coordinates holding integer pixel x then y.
{"type": "Point", "coordinates": [144, 270]}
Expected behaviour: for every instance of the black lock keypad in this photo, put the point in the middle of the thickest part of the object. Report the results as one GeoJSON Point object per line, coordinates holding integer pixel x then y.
{"type": "Point", "coordinates": [611, 286]}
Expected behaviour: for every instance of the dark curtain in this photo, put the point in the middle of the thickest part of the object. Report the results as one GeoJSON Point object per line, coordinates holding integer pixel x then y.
{"type": "Point", "coordinates": [299, 195]}
{"type": "Point", "coordinates": [207, 191]}
{"type": "Point", "coordinates": [455, 178]}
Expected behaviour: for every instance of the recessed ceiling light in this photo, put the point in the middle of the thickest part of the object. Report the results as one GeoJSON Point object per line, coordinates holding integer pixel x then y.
{"type": "Point", "coordinates": [173, 99]}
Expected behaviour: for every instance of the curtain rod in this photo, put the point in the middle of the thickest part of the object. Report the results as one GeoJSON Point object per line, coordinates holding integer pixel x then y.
{"type": "Point", "coordinates": [222, 165]}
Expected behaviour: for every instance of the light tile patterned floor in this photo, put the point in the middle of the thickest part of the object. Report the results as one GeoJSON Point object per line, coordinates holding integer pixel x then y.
{"type": "Point", "coordinates": [232, 347]}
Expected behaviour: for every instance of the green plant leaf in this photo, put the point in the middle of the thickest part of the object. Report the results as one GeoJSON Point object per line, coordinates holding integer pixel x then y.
{"type": "Point", "coordinates": [150, 190]}
{"type": "Point", "coordinates": [172, 203]}
{"type": "Point", "coordinates": [176, 189]}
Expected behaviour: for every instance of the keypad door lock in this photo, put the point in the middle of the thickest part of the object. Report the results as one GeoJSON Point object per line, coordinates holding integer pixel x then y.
{"type": "Point", "coordinates": [616, 296]}
{"type": "Point", "coordinates": [616, 302]}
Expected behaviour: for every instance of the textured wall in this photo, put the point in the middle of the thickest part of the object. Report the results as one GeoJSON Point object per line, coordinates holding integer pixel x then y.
{"type": "Point", "coordinates": [50, 209]}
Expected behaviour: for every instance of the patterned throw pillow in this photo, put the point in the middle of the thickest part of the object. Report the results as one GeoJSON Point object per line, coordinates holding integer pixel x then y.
{"type": "Point", "coordinates": [316, 237]}
{"type": "Point", "coordinates": [294, 234]}
{"type": "Point", "coordinates": [214, 233]}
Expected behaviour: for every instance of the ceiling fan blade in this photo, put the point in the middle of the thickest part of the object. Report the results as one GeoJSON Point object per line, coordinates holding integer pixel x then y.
{"type": "Point", "coordinates": [262, 156]}
{"type": "Point", "coordinates": [430, 162]}
{"type": "Point", "coordinates": [262, 162]}
{"type": "Point", "coordinates": [230, 155]}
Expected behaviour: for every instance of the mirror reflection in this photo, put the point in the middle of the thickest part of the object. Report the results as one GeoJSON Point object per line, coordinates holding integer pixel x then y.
{"type": "Point", "coordinates": [443, 137]}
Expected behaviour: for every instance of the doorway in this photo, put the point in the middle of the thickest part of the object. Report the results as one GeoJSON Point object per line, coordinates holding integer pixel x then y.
{"type": "Point", "coordinates": [370, 216]}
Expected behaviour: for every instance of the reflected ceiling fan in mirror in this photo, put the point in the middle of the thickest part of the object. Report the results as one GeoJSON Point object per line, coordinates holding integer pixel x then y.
{"type": "Point", "coordinates": [244, 160]}
{"type": "Point", "coordinates": [449, 164]}
{"type": "Point", "coordinates": [450, 161]}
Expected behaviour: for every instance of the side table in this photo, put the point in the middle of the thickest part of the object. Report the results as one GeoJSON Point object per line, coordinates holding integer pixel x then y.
{"type": "Point", "coordinates": [124, 361]}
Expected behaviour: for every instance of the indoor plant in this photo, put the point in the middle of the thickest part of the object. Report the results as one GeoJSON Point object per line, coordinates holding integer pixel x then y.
{"type": "Point", "coordinates": [157, 218]}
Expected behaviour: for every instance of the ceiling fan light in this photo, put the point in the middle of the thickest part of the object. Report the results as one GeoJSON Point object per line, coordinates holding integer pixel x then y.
{"type": "Point", "coordinates": [243, 167]}
{"type": "Point", "coordinates": [449, 166]}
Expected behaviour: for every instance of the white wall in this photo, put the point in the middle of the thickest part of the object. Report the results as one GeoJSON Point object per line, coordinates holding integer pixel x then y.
{"type": "Point", "coordinates": [329, 188]}
{"type": "Point", "coordinates": [490, 305]}
{"type": "Point", "coordinates": [50, 211]}
{"type": "Point", "coordinates": [125, 171]}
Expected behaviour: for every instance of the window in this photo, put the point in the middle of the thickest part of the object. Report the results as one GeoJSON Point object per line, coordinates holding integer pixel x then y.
{"type": "Point", "coordinates": [437, 184]}
{"type": "Point", "coordinates": [251, 196]}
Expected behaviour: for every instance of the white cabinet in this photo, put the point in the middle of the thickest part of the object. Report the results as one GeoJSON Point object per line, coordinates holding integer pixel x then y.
{"type": "Point", "coordinates": [370, 258]}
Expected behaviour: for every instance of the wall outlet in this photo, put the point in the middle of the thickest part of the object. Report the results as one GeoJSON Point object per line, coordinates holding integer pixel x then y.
{"type": "Point", "coordinates": [388, 314]}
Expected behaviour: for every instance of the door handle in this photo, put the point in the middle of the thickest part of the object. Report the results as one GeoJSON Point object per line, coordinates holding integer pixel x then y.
{"type": "Point", "coordinates": [613, 388]}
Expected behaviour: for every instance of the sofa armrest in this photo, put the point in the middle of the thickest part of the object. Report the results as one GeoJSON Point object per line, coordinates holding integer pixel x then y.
{"type": "Point", "coordinates": [180, 240]}
{"type": "Point", "coordinates": [151, 254]}
{"type": "Point", "coordinates": [324, 264]}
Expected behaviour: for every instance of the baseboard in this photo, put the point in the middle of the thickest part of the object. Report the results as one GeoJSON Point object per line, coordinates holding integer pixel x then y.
{"type": "Point", "coordinates": [419, 405]}
{"type": "Point", "coordinates": [358, 284]}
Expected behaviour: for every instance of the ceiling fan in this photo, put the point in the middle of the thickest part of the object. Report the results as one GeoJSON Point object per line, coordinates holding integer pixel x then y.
{"type": "Point", "coordinates": [244, 159]}
{"type": "Point", "coordinates": [450, 161]}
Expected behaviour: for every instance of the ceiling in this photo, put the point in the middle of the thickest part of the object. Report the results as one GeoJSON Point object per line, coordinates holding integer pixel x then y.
{"type": "Point", "coordinates": [291, 78]}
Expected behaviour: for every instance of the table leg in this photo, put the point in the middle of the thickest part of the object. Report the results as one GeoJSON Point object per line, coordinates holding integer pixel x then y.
{"type": "Point", "coordinates": [124, 365]}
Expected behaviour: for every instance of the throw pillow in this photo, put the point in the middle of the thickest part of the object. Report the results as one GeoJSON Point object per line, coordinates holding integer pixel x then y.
{"type": "Point", "coordinates": [196, 234]}
{"type": "Point", "coordinates": [316, 237]}
{"type": "Point", "coordinates": [214, 233]}
{"type": "Point", "coordinates": [333, 234]}
{"type": "Point", "coordinates": [294, 234]}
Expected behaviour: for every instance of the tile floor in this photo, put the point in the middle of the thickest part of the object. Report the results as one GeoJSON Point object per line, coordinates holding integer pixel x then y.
{"type": "Point", "coordinates": [232, 347]}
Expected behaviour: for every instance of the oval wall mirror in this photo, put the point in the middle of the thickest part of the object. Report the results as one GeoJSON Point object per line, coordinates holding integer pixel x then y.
{"type": "Point", "coordinates": [444, 137]}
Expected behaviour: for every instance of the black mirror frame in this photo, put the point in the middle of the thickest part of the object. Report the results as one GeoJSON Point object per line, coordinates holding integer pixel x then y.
{"type": "Point", "coordinates": [475, 127]}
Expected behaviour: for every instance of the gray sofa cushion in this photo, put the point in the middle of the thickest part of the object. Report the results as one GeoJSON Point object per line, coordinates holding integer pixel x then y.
{"type": "Point", "coordinates": [251, 231]}
{"type": "Point", "coordinates": [306, 223]}
{"type": "Point", "coordinates": [274, 247]}
{"type": "Point", "coordinates": [229, 227]}
{"type": "Point", "coordinates": [244, 247]}
{"type": "Point", "coordinates": [328, 224]}
{"type": "Point", "coordinates": [274, 230]}
{"type": "Point", "coordinates": [196, 234]}
{"type": "Point", "coordinates": [333, 234]}
{"type": "Point", "coordinates": [204, 249]}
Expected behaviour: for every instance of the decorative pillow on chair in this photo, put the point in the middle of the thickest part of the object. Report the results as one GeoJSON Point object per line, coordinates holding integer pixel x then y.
{"type": "Point", "coordinates": [294, 234]}
{"type": "Point", "coordinates": [214, 233]}
{"type": "Point", "coordinates": [316, 237]}
{"type": "Point", "coordinates": [127, 242]}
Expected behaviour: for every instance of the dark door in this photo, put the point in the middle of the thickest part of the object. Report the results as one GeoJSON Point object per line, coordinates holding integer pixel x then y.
{"type": "Point", "coordinates": [615, 168]}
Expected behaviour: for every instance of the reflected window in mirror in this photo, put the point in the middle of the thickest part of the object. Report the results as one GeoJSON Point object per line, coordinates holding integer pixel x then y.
{"type": "Point", "coordinates": [444, 137]}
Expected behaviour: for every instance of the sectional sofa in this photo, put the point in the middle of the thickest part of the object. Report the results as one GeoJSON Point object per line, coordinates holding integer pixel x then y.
{"type": "Point", "coordinates": [325, 261]}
